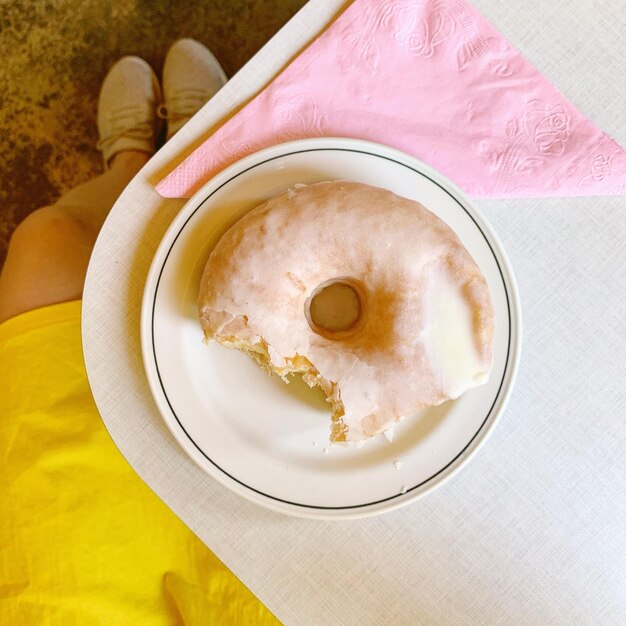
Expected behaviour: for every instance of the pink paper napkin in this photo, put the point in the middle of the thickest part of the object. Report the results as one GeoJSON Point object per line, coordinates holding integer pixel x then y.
{"type": "Point", "coordinates": [432, 78]}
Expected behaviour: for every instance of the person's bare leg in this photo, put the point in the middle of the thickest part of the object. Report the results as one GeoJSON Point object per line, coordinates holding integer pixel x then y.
{"type": "Point", "coordinates": [49, 251]}
{"type": "Point", "coordinates": [101, 193]}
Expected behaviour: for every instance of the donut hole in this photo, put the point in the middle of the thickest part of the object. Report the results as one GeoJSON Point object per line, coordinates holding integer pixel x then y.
{"type": "Point", "coordinates": [335, 307]}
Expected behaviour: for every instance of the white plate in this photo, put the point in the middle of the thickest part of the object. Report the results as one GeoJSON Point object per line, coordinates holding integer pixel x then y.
{"type": "Point", "coordinates": [266, 440]}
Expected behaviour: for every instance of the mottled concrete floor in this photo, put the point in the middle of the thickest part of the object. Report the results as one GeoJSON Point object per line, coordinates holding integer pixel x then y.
{"type": "Point", "coordinates": [55, 53]}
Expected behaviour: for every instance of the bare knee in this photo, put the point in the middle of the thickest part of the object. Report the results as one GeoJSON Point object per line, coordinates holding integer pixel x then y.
{"type": "Point", "coordinates": [46, 261]}
{"type": "Point", "coordinates": [50, 242]}
{"type": "Point", "coordinates": [50, 224]}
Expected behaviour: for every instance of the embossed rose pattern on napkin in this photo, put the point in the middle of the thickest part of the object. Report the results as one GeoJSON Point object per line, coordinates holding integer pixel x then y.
{"type": "Point", "coordinates": [432, 78]}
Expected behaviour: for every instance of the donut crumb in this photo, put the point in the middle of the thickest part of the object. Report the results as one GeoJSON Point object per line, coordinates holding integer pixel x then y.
{"type": "Point", "coordinates": [295, 365]}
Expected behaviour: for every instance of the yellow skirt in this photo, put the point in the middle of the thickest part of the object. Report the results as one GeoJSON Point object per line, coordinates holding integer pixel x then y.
{"type": "Point", "coordinates": [82, 539]}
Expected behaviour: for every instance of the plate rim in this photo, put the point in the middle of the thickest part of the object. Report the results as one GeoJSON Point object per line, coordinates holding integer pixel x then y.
{"type": "Point", "coordinates": [150, 361]}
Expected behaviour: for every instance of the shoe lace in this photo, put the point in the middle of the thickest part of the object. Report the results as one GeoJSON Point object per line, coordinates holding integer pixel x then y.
{"type": "Point", "coordinates": [184, 104]}
{"type": "Point", "coordinates": [132, 122]}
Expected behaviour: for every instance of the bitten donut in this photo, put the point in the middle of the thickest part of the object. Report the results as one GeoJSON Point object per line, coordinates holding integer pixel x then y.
{"type": "Point", "coordinates": [364, 293]}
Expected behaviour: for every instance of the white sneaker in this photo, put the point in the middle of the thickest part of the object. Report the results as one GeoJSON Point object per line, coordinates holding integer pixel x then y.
{"type": "Point", "coordinates": [191, 76]}
{"type": "Point", "coordinates": [127, 109]}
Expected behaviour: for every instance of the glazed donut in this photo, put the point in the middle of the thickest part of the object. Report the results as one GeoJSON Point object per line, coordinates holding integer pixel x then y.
{"type": "Point", "coordinates": [364, 293]}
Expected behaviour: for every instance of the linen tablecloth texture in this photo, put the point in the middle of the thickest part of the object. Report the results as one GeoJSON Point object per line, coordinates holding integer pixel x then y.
{"type": "Point", "coordinates": [532, 530]}
{"type": "Point", "coordinates": [433, 78]}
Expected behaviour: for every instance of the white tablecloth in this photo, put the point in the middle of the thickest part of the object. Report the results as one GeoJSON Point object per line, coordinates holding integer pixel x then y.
{"type": "Point", "coordinates": [533, 530]}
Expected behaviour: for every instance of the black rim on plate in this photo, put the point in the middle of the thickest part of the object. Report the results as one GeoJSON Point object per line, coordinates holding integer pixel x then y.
{"type": "Point", "coordinates": [314, 506]}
